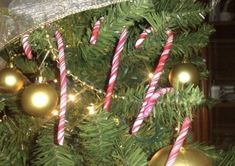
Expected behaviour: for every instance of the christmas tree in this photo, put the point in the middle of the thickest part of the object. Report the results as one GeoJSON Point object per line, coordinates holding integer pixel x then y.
{"type": "Point", "coordinates": [92, 88]}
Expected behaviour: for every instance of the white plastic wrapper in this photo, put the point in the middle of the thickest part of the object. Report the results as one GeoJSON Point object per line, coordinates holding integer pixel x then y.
{"type": "Point", "coordinates": [26, 15]}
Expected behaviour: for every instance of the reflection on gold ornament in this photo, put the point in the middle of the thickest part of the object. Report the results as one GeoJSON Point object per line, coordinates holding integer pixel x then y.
{"type": "Point", "coordinates": [186, 157]}
{"type": "Point", "coordinates": [91, 109]}
{"type": "Point", "coordinates": [184, 73]}
{"type": "Point", "coordinates": [11, 80]}
{"type": "Point", "coordinates": [71, 97]}
{"type": "Point", "coordinates": [39, 99]}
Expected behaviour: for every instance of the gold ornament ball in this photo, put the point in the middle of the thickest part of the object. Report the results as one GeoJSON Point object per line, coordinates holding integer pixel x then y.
{"type": "Point", "coordinates": [39, 99]}
{"type": "Point", "coordinates": [186, 157]}
{"type": "Point", "coordinates": [184, 73]}
{"type": "Point", "coordinates": [11, 80]}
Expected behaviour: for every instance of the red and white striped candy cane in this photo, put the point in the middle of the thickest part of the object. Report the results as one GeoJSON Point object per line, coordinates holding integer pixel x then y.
{"type": "Point", "coordinates": [114, 69]}
{"type": "Point", "coordinates": [179, 142]}
{"type": "Point", "coordinates": [154, 98]}
{"type": "Point", "coordinates": [63, 88]}
{"type": "Point", "coordinates": [142, 37]}
{"type": "Point", "coordinates": [156, 76]}
{"type": "Point", "coordinates": [26, 46]}
{"type": "Point", "coordinates": [151, 102]}
{"type": "Point", "coordinates": [95, 31]}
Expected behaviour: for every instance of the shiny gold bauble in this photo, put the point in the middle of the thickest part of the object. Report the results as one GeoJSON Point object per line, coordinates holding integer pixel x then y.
{"type": "Point", "coordinates": [11, 80]}
{"type": "Point", "coordinates": [184, 73]}
{"type": "Point", "coordinates": [39, 99]}
{"type": "Point", "coordinates": [186, 157]}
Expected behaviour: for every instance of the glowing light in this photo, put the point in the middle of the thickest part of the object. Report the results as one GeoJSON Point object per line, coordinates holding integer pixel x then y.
{"type": "Point", "coordinates": [40, 99]}
{"type": "Point", "coordinates": [176, 129]}
{"type": "Point", "coordinates": [10, 80]}
{"type": "Point", "coordinates": [116, 120]}
{"type": "Point", "coordinates": [54, 57]}
{"type": "Point", "coordinates": [182, 150]}
{"type": "Point", "coordinates": [72, 97]}
{"type": "Point", "coordinates": [150, 75]}
{"type": "Point", "coordinates": [55, 112]}
{"type": "Point", "coordinates": [91, 109]}
{"type": "Point", "coordinates": [184, 77]}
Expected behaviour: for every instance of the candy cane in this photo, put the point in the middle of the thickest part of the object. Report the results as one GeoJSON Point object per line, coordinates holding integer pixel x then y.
{"type": "Point", "coordinates": [152, 101]}
{"type": "Point", "coordinates": [63, 89]}
{"type": "Point", "coordinates": [114, 69]}
{"type": "Point", "coordinates": [179, 142]}
{"type": "Point", "coordinates": [152, 85]}
{"type": "Point", "coordinates": [95, 31]}
{"type": "Point", "coordinates": [26, 46]}
{"type": "Point", "coordinates": [154, 98]}
{"type": "Point", "coordinates": [142, 37]}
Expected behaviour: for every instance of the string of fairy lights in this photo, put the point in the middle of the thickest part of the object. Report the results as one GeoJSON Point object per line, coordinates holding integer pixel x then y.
{"type": "Point", "coordinates": [73, 95]}
{"type": "Point", "coordinates": [76, 79]}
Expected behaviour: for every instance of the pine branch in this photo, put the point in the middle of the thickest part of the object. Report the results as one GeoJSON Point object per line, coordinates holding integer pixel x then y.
{"type": "Point", "coordinates": [173, 107]}
{"type": "Point", "coordinates": [189, 43]}
{"type": "Point", "coordinates": [128, 153]}
{"type": "Point", "coordinates": [26, 66]}
{"type": "Point", "coordinates": [228, 157]}
{"type": "Point", "coordinates": [13, 143]}
{"type": "Point", "coordinates": [98, 135]}
{"type": "Point", "coordinates": [153, 135]}
{"type": "Point", "coordinates": [2, 106]}
{"type": "Point", "coordinates": [47, 153]}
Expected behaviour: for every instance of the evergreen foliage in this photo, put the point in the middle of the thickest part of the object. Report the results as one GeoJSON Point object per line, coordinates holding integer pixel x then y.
{"type": "Point", "coordinates": [103, 138]}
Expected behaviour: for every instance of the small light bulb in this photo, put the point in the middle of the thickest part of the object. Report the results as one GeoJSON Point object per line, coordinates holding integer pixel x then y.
{"type": "Point", "coordinates": [10, 80]}
{"type": "Point", "coordinates": [55, 112]}
{"type": "Point", "coordinates": [116, 120]}
{"type": "Point", "coordinates": [150, 75]}
{"type": "Point", "coordinates": [91, 109]}
{"type": "Point", "coordinates": [40, 99]}
{"type": "Point", "coordinates": [176, 129]}
{"type": "Point", "coordinates": [182, 150]}
{"type": "Point", "coordinates": [72, 97]}
{"type": "Point", "coordinates": [55, 80]}
{"type": "Point", "coordinates": [184, 77]}
{"type": "Point", "coordinates": [54, 57]}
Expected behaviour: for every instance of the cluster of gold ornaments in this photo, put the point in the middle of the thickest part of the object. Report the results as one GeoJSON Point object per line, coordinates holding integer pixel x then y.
{"type": "Point", "coordinates": [38, 99]}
